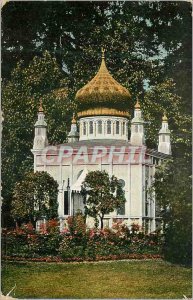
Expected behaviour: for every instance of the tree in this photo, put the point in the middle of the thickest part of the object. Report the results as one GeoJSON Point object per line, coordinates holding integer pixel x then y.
{"type": "Point", "coordinates": [35, 197]}
{"type": "Point", "coordinates": [161, 98]}
{"type": "Point", "coordinates": [145, 40]}
{"type": "Point", "coordinates": [172, 186]}
{"type": "Point", "coordinates": [55, 26]}
{"type": "Point", "coordinates": [102, 195]}
{"type": "Point", "coordinates": [20, 101]}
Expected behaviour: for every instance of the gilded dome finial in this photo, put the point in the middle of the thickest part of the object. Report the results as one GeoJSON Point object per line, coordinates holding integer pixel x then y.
{"type": "Point", "coordinates": [164, 118]}
{"type": "Point", "coordinates": [103, 52]}
{"type": "Point", "coordinates": [40, 106]}
{"type": "Point", "coordinates": [137, 105]}
{"type": "Point", "coordinates": [73, 119]}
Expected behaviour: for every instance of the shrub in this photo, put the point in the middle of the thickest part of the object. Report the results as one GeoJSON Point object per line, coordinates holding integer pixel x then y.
{"type": "Point", "coordinates": [53, 226]}
{"type": "Point", "coordinates": [77, 224]}
{"type": "Point", "coordinates": [177, 246]}
{"type": "Point", "coordinates": [25, 242]}
{"type": "Point", "coordinates": [69, 248]}
{"type": "Point", "coordinates": [121, 229]}
{"type": "Point", "coordinates": [77, 243]}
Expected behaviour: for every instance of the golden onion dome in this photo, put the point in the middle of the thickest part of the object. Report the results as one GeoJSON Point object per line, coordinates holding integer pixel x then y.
{"type": "Point", "coordinates": [103, 91]}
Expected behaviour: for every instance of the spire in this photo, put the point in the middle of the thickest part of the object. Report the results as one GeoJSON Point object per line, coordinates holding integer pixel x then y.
{"type": "Point", "coordinates": [73, 119]}
{"type": "Point", "coordinates": [40, 106]}
{"type": "Point", "coordinates": [164, 118]}
{"type": "Point", "coordinates": [103, 53]}
{"type": "Point", "coordinates": [73, 135]}
{"type": "Point", "coordinates": [103, 68]}
{"type": "Point", "coordinates": [164, 145]}
{"type": "Point", "coordinates": [40, 139]}
{"type": "Point", "coordinates": [137, 110]}
{"type": "Point", "coordinates": [137, 127]}
{"type": "Point", "coordinates": [137, 105]}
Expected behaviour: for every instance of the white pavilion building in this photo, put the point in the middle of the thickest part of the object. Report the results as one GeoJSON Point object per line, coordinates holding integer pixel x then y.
{"type": "Point", "coordinates": [99, 140]}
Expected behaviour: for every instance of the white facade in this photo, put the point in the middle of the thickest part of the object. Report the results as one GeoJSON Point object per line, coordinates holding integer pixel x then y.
{"type": "Point", "coordinates": [129, 160]}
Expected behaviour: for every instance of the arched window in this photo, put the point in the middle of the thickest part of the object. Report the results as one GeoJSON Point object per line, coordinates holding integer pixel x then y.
{"type": "Point", "coordinates": [79, 173]}
{"type": "Point", "coordinates": [99, 126]}
{"type": "Point", "coordinates": [108, 127]}
{"type": "Point", "coordinates": [117, 127]}
{"type": "Point", "coordinates": [84, 128]}
{"type": "Point", "coordinates": [121, 210]}
{"type": "Point", "coordinates": [126, 127]}
{"type": "Point", "coordinates": [91, 127]}
{"type": "Point", "coordinates": [123, 128]}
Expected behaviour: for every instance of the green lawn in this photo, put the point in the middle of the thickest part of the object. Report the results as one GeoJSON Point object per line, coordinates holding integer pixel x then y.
{"type": "Point", "coordinates": [118, 279]}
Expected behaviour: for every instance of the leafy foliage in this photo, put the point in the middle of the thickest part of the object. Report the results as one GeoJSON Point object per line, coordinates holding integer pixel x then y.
{"type": "Point", "coordinates": [164, 97]}
{"type": "Point", "coordinates": [173, 191]}
{"type": "Point", "coordinates": [35, 197]}
{"type": "Point", "coordinates": [20, 101]}
{"type": "Point", "coordinates": [77, 224]}
{"type": "Point", "coordinates": [102, 195]}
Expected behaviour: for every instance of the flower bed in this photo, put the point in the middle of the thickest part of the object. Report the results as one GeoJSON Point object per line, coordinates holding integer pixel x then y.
{"type": "Point", "coordinates": [77, 243]}
{"type": "Point", "coordinates": [79, 259]}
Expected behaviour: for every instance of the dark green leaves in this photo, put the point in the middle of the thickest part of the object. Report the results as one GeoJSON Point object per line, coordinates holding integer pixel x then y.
{"type": "Point", "coordinates": [102, 194]}
{"type": "Point", "coordinates": [35, 197]}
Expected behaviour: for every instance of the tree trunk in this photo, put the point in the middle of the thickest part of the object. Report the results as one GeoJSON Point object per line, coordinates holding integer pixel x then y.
{"type": "Point", "coordinates": [102, 222]}
{"type": "Point", "coordinates": [96, 222]}
{"type": "Point", "coordinates": [33, 222]}
{"type": "Point", "coordinates": [17, 225]}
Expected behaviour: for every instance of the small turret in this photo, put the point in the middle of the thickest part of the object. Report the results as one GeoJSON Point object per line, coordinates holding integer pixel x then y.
{"type": "Point", "coordinates": [40, 139]}
{"type": "Point", "coordinates": [73, 135]}
{"type": "Point", "coordinates": [164, 145]}
{"type": "Point", "coordinates": [137, 127]}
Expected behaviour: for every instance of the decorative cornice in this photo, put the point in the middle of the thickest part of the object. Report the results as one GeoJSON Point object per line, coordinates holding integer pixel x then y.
{"type": "Point", "coordinates": [103, 111]}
